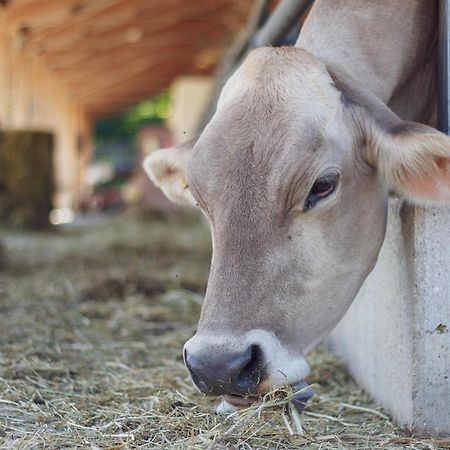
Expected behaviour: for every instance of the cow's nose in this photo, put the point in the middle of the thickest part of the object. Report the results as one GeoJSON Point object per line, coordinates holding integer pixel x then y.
{"type": "Point", "coordinates": [237, 373]}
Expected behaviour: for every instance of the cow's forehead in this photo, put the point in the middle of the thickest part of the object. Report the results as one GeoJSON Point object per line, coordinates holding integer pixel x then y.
{"type": "Point", "coordinates": [280, 98]}
{"type": "Point", "coordinates": [280, 102]}
{"type": "Point", "coordinates": [285, 77]}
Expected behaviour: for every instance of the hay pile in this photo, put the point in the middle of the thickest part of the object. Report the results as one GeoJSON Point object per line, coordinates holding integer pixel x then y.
{"type": "Point", "coordinates": [3, 255]}
{"type": "Point", "coordinates": [93, 322]}
{"type": "Point", "coordinates": [26, 177]}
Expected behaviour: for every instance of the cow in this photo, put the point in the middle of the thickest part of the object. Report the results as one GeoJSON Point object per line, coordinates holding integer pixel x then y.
{"type": "Point", "coordinates": [293, 174]}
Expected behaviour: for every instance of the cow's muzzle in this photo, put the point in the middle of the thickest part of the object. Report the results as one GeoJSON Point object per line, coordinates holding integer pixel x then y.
{"type": "Point", "coordinates": [247, 365]}
{"type": "Point", "coordinates": [218, 373]}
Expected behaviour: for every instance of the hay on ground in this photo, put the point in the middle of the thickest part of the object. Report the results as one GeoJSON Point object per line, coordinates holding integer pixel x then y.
{"type": "Point", "coordinates": [93, 323]}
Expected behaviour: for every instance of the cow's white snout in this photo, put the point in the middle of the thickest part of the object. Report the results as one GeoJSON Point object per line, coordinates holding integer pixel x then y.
{"type": "Point", "coordinates": [250, 364]}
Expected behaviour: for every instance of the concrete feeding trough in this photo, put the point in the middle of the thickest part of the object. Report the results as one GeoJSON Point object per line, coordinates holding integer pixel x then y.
{"type": "Point", "coordinates": [395, 337]}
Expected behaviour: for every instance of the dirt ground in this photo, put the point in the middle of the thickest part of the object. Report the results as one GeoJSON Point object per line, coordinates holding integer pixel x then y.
{"type": "Point", "coordinates": [92, 323]}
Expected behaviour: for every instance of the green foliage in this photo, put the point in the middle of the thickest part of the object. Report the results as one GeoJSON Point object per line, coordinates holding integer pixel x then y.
{"type": "Point", "coordinates": [123, 127]}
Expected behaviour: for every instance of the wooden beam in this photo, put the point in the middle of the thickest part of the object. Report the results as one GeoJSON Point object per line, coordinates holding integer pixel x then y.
{"type": "Point", "coordinates": [120, 13]}
{"type": "Point", "coordinates": [122, 34]}
{"type": "Point", "coordinates": [121, 70]}
{"type": "Point", "coordinates": [165, 45]}
{"type": "Point", "coordinates": [71, 62]}
{"type": "Point", "coordinates": [130, 13]}
{"type": "Point", "coordinates": [134, 89]}
{"type": "Point", "coordinates": [136, 82]}
{"type": "Point", "coordinates": [112, 88]}
{"type": "Point", "coordinates": [48, 13]}
{"type": "Point", "coordinates": [113, 84]}
{"type": "Point", "coordinates": [120, 105]}
{"type": "Point", "coordinates": [97, 106]}
{"type": "Point", "coordinates": [104, 20]}
{"type": "Point", "coordinates": [120, 38]}
{"type": "Point", "coordinates": [88, 58]}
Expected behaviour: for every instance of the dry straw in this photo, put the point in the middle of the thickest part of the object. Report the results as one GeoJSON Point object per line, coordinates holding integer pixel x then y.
{"type": "Point", "coordinates": [93, 322]}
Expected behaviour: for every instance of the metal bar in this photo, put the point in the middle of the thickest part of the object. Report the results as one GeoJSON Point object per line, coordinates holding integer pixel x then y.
{"type": "Point", "coordinates": [241, 46]}
{"type": "Point", "coordinates": [280, 22]}
{"type": "Point", "coordinates": [234, 56]}
{"type": "Point", "coordinates": [443, 66]}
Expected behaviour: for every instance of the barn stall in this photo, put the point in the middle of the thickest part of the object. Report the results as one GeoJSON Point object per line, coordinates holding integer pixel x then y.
{"type": "Point", "coordinates": [97, 314]}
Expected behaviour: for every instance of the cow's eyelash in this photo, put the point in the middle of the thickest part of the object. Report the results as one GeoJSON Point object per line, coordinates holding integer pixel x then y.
{"type": "Point", "coordinates": [323, 187]}
{"type": "Point", "coordinates": [304, 202]}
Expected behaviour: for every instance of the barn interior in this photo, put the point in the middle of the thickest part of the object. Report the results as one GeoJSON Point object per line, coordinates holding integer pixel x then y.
{"type": "Point", "coordinates": [101, 278]}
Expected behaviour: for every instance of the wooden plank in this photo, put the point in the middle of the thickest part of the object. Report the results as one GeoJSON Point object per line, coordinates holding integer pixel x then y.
{"type": "Point", "coordinates": [124, 33]}
{"type": "Point", "coordinates": [114, 84]}
{"type": "Point", "coordinates": [115, 42]}
{"type": "Point", "coordinates": [48, 13]}
{"type": "Point", "coordinates": [105, 43]}
{"type": "Point", "coordinates": [112, 89]}
{"type": "Point", "coordinates": [120, 11]}
{"type": "Point", "coordinates": [165, 43]}
{"type": "Point", "coordinates": [123, 13]}
{"type": "Point", "coordinates": [136, 83]}
{"type": "Point", "coordinates": [109, 88]}
{"type": "Point", "coordinates": [107, 106]}
{"type": "Point", "coordinates": [116, 65]}
{"type": "Point", "coordinates": [111, 107]}
{"type": "Point", "coordinates": [120, 71]}
{"type": "Point", "coordinates": [71, 62]}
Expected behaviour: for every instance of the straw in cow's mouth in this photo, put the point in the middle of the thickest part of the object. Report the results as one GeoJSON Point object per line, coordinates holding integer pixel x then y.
{"type": "Point", "coordinates": [302, 393]}
{"type": "Point", "coordinates": [241, 401]}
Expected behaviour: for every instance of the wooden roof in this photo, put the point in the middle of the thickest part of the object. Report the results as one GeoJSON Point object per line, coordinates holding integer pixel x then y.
{"type": "Point", "coordinates": [113, 53]}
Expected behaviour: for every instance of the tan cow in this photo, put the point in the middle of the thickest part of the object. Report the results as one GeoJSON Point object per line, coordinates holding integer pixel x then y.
{"type": "Point", "coordinates": [293, 174]}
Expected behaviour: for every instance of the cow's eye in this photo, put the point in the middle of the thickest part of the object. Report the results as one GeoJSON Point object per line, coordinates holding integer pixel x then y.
{"type": "Point", "coordinates": [322, 188]}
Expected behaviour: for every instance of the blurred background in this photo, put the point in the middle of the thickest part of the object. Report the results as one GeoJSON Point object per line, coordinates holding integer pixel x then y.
{"type": "Point", "coordinates": [89, 88]}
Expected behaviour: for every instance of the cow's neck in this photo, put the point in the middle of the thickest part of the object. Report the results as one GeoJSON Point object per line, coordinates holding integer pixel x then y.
{"type": "Point", "coordinates": [383, 45]}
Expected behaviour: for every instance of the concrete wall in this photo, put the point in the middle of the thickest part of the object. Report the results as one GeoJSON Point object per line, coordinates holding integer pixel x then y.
{"type": "Point", "coordinates": [395, 338]}
{"type": "Point", "coordinates": [32, 97]}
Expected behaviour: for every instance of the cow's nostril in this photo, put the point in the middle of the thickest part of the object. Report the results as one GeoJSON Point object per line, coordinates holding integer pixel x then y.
{"type": "Point", "coordinates": [215, 374]}
{"type": "Point", "coordinates": [194, 367]}
{"type": "Point", "coordinates": [251, 373]}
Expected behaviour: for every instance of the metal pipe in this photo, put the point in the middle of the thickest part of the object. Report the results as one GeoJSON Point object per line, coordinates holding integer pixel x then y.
{"type": "Point", "coordinates": [234, 56]}
{"type": "Point", "coordinates": [443, 66]}
{"type": "Point", "coordinates": [280, 22]}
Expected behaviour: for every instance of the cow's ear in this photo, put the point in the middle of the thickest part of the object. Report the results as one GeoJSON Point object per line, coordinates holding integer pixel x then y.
{"type": "Point", "coordinates": [167, 169]}
{"type": "Point", "coordinates": [414, 159]}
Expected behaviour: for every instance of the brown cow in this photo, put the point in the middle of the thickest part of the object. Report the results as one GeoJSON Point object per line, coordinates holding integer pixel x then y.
{"type": "Point", "coordinates": [293, 174]}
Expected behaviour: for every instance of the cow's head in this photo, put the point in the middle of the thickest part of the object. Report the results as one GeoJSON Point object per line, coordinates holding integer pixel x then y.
{"type": "Point", "coordinates": [293, 174]}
